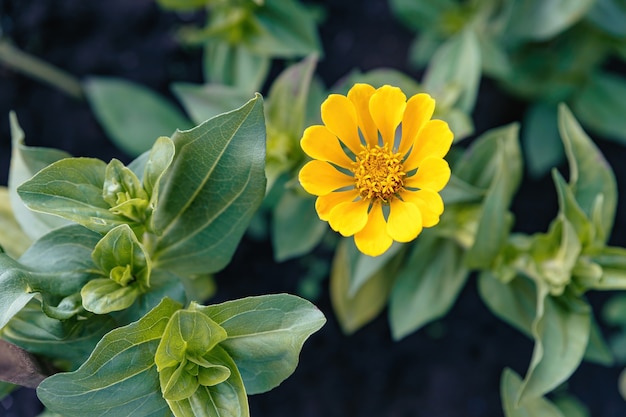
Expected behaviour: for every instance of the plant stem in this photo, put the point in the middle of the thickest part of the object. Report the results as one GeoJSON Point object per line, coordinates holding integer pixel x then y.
{"type": "Point", "coordinates": [39, 69]}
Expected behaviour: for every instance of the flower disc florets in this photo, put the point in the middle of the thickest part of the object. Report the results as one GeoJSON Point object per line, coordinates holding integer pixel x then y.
{"type": "Point", "coordinates": [377, 149]}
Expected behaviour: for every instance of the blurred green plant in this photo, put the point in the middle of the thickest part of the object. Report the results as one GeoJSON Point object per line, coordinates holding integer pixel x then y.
{"type": "Point", "coordinates": [542, 51]}
{"type": "Point", "coordinates": [117, 253]}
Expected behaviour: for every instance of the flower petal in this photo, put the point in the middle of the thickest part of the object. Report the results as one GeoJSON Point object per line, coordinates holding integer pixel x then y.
{"type": "Point", "coordinates": [387, 106]}
{"type": "Point", "coordinates": [320, 178]}
{"type": "Point", "coordinates": [419, 110]}
{"type": "Point", "coordinates": [360, 95]}
{"type": "Point", "coordinates": [350, 217]}
{"type": "Point", "coordinates": [429, 203]}
{"type": "Point", "coordinates": [339, 116]}
{"type": "Point", "coordinates": [404, 222]}
{"type": "Point", "coordinates": [433, 174]}
{"type": "Point", "coordinates": [319, 143]}
{"type": "Point", "coordinates": [373, 239]}
{"type": "Point", "coordinates": [434, 139]}
{"type": "Point", "coordinates": [325, 203]}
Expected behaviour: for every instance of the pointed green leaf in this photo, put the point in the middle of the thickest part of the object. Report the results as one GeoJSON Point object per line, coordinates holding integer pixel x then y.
{"type": "Point", "coordinates": [612, 260]}
{"type": "Point", "coordinates": [591, 176]}
{"type": "Point", "coordinates": [290, 91]}
{"type": "Point", "coordinates": [515, 302]}
{"type": "Point", "coordinates": [543, 19]}
{"type": "Point", "coordinates": [26, 161]}
{"type": "Point", "coordinates": [265, 335]}
{"type": "Point", "coordinates": [296, 227]}
{"type": "Point", "coordinates": [456, 64]}
{"type": "Point", "coordinates": [210, 192]}
{"type": "Point", "coordinates": [203, 102]}
{"type": "Point", "coordinates": [510, 385]}
{"type": "Point", "coordinates": [15, 289]}
{"type": "Point", "coordinates": [233, 65]}
{"type": "Point", "coordinates": [103, 295]}
{"type": "Point", "coordinates": [569, 208]}
{"type": "Point", "coordinates": [61, 261]}
{"type": "Point", "coordinates": [13, 240]}
{"type": "Point", "coordinates": [427, 286]}
{"type": "Point", "coordinates": [540, 136]}
{"type": "Point", "coordinates": [354, 311]}
{"type": "Point", "coordinates": [132, 115]}
{"type": "Point", "coordinates": [71, 188]}
{"type": "Point", "coordinates": [561, 332]}
{"type": "Point", "coordinates": [120, 376]}
{"type": "Point", "coordinates": [601, 105]}
{"type": "Point", "coordinates": [159, 159]}
{"type": "Point", "coordinates": [285, 29]}
{"type": "Point", "coordinates": [495, 219]}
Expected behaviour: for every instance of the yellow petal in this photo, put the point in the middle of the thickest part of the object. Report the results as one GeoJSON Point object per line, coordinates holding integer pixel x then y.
{"type": "Point", "coordinates": [320, 178]}
{"type": "Point", "coordinates": [419, 110]}
{"type": "Point", "coordinates": [319, 143]}
{"type": "Point", "coordinates": [433, 174]}
{"type": "Point", "coordinates": [434, 139]}
{"type": "Point", "coordinates": [429, 203]}
{"type": "Point", "coordinates": [325, 203]}
{"type": "Point", "coordinates": [387, 107]}
{"type": "Point", "coordinates": [349, 218]}
{"type": "Point", "coordinates": [404, 222]}
{"type": "Point", "coordinates": [373, 239]}
{"type": "Point", "coordinates": [360, 95]}
{"type": "Point", "coordinates": [339, 116]}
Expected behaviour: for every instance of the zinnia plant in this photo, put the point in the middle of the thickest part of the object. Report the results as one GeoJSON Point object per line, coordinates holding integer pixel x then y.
{"type": "Point", "coordinates": [377, 165]}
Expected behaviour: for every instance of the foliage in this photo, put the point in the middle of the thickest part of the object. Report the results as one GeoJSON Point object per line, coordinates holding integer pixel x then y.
{"type": "Point", "coordinates": [102, 297]}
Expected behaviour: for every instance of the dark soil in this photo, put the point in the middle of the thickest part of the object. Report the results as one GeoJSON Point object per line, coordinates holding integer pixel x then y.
{"type": "Point", "coordinates": [451, 368]}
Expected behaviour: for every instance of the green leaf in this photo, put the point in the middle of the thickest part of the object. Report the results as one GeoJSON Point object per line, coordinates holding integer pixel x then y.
{"type": "Point", "coordinates": [591, 177]}
{"type": "Point", "coordinates": [601, 105]}
{"type": "Point", "coordinates": [427, 286]}
{"type": "Point", "coordinates": [561, 332]}
{"type": "Point", "coordinates": [120, 376]}
{"type": "Point", "coordinates": [495, 61]}
{"type": "Point", "coordinates": [103, 295]}
{"type": "Point", "coordinates": [210, 192]}
{"type": "Point", "coordinates": [612, 260]}
{"type": "Point", "coordinates": [355, 310]}
{"type": "Point", "coordinates": [514, 302]}
{"type": "Point", "coordinates": [543, 19]}
{"type": "Point", "coordinates": [609, 15]}
{"type": "Point", "coordinates": [571, 407]}
{"type": "Point", "coordinates": [13, 240]}
{"type": "Point", "coordinates": [123, 191]}
{"type": "Point", "coordinates": [495, 220]}
{"type": "Point", "coordinates": [421, 14]}
{"type": "Point", "coordinates": [159, 159]}
{"type": "Point", "coordinates": [132, 115]}
{"type": "Point", "coordinates": [226, 399]}
{"type": "Point", "coordinates": [287, 97]}
{"type": "Point", "coordinates": [285, 29]}
{"type": "Point", "coordinates": [456, 65]}
{"type": "Point", "coordinates": [265, 335]}
{"type": "Point", "coordinates": [203, 102]}
{"type": "Point", "coordinates": [296, 228]}
{"type": "Point", "coordinates": [510, 385]}
{"type": "Point", "coordinates": [569, 208]}
{"type": "Point", "coordinates": [540, 138]}
{"type": "Point", "coordinates": [26, 161]}
{"type": "Point", "coordinates": [15, 289]}
{"type": "Point", "coordinates": [234, 67]}
{"type": "Point", "coordinates": [71, 188]}
{"type": "Point", "coordinates": [61, 260]}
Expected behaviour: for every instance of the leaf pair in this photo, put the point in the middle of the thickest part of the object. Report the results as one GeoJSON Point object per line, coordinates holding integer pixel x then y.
{"type": "Point", "coordinates": [203, 359]}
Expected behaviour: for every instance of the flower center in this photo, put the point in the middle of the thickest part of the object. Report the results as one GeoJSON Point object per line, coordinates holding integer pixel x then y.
{"type": "Point", "coordinates": [378, 173]}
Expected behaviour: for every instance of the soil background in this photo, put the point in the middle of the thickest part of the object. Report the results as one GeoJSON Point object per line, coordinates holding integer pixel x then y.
{"type": "Point", "coordinates": [451, 368]}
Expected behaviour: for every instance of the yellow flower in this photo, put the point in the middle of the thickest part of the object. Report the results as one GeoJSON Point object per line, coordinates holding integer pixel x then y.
{"type": "Point", "coordinates": [377, 165]}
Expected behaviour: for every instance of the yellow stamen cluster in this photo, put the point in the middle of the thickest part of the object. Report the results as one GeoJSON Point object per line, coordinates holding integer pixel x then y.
{"type": "Point", "coordinates": [378, 173]}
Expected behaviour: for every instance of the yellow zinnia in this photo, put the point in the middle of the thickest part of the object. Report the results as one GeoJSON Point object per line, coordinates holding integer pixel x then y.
{"type": "Point", "coordinates": [374, 180]}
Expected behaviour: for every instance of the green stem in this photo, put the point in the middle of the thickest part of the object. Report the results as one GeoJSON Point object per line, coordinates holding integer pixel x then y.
{"type": "Point", "coordinates": [39, 69]}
